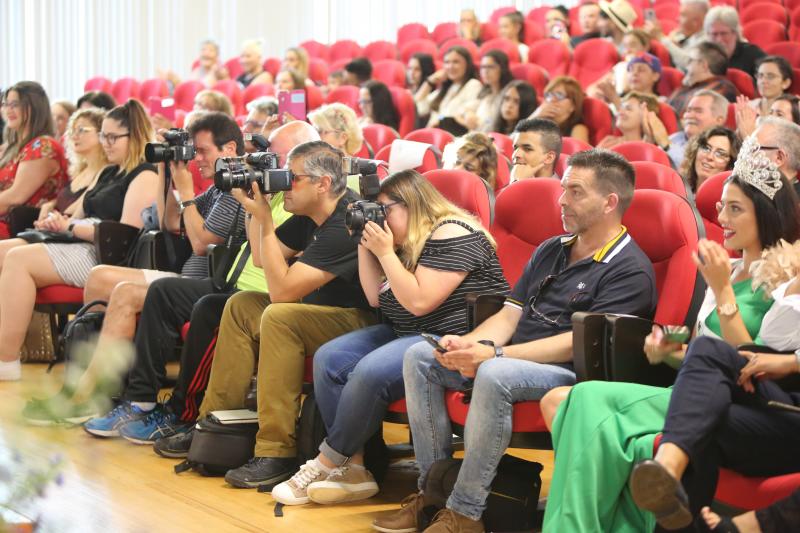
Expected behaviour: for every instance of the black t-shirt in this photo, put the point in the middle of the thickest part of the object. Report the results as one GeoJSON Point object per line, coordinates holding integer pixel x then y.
{"type": "Point", "coordinates": [745, 56]}
{"type": "Point", "coordinates": [618, 279]}
{"type": "Point", "coordinates": [107, 197]}
{"type": "Point", "coordinates": [328, 247]}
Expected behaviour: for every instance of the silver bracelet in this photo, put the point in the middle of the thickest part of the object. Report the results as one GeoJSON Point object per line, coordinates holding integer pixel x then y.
{"type": "Point", "coordinates": [797, 357]}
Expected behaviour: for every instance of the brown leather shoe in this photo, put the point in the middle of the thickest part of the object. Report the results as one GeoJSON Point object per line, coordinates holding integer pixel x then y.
{"type": "Point", "coordinates": [404, 520]}
{"type": "Point", "coordinates": [447, 521]}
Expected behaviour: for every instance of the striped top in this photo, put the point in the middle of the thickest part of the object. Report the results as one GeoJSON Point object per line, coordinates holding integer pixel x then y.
{"type": "Point", "coordinates": [472, 253]}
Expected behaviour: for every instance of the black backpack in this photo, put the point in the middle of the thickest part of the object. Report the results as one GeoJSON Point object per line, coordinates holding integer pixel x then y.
{"type": "Point", "coordinates": [217, 448]}
{"type": "Point", "coordinates": [82, 329]}
{"type": "Point", "coordinates": [511, 505]}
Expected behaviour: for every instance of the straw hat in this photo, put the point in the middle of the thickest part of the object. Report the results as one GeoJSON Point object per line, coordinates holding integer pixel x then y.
{"type": "Point", "coordinates": [620, 12]}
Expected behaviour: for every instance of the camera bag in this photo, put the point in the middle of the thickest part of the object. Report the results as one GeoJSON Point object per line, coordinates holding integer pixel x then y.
{"type": "Point", "coordinates": [217, 448]}
{"type": "Point", "coordinates": [511, 505]}
{"type": "Point", "coordinates": [83, 328]}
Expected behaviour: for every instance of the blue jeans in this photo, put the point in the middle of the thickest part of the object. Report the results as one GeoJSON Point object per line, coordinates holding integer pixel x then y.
{"type": "Point", "coordinates": [356, 377]}
{"type": "Point", "coordinates": [499, 383]}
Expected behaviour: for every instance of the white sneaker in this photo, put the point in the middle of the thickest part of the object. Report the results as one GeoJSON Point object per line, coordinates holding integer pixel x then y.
{"type": "Point", "coordinates": [344, 484]}
{"type": "Point", "coordinates": [10, 370]}
{"type": "Point", "coordinates": [293, 491]}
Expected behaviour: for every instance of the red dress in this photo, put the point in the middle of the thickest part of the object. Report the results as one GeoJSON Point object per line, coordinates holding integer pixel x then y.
{"type": "Point", "coordinates": [38, 148]}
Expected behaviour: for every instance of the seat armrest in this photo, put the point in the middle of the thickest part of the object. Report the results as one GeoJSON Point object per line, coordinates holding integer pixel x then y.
{"type": "Point", "coordinates": [482, 306]}
{"type": "Point", "coordinates": [589, 344]}
{"type": "Point", "coordinates": [625, 357]}
{"type": "Point", "coordinates": [113, 241]}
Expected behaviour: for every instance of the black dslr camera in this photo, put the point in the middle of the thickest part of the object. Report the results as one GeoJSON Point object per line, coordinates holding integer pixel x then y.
{"type": "Point", "coordinates": [178, 146]}
{"type": "Point", "coordinates": [259, 167]}
{"type": "Point", "coordinates": [363, 211]}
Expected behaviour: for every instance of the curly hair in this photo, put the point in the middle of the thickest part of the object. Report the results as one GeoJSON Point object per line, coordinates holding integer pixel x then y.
{"type": "Point", "coordinates": [688, 170]}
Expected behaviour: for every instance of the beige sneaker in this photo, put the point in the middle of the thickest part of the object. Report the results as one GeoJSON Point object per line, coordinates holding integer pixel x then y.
{"type": "Point", "coordinates": [344, 484]}
{"type": "Point", "coordinates": [294, 491]}
{"type": "Point", "coordinates": [403, 520]}
{"type": "Point", "coordinates": [447, 521]}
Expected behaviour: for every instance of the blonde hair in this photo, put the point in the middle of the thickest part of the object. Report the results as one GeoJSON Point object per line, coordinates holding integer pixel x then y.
{"type": "Point", "coordinates": [481, 147]}
{"type": "Point", "coordinates": [219, 102]}
{"type": "Point", "coordinates": [77, 162]}
{"type": "Point", "coordinates": [302, 56]}
{"type": "Point", "coordinates": [339, 118]}
{"type": "Point", "coordinates": [648, 99]}
{"type": "Point", "coordinates": [253, 44]}
{"type": "Point", "coordinates": [426, 208]}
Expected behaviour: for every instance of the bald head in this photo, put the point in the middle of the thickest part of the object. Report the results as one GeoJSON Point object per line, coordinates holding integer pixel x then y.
{"type": "Point", "coordinates": [297, 132]}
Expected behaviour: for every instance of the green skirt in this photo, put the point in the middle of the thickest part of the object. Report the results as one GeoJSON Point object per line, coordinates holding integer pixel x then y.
{"type": "Point", "coordinates": [599, 433]}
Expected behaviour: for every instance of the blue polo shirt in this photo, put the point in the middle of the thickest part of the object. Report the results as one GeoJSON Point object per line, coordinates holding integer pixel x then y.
{"type": "Point", "coordinates": [619, 278]}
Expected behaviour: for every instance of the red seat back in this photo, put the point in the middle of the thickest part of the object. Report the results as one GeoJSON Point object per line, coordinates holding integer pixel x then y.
{"type": "Point", "coordinates": [98, 83]}
{"type": "Point", "coordinates": [318, 70]}
{"type": "Point", "coordinates": [668, 117]}
{"type": "Point", "coordinates": [503, 143]}
{"type": "Point", "coordinates": [185, 92]}
{"type": "Point", "coordinates": [758, 11]}
{"type": "Point", "coordinates": [466, 190]}
{"type": "Point", "coordinates": [153, 87]}
{"type": "Point", "coordinates": [671, 79]}
{"type": "Point", "coordinates": [347, 95]}
{"type": "Point", "coordinates": [763, 33]}
{"type": "Point", "coordinates": [344, 49]}
{"type": "Point", "coordinates": [561, 164]}
{"type": "Point", "coordinates": [788, 49]}
{"type": "Point", "coordinates": [377, 50]}
{"type": "Point", "coordinates": [444, 31]}
{"type": "Point", "coordinates": [570, 145]}
{"type": "Point", "coordinates": [598, 118]}
{"type": "Point", "coordinates": [379, 135]}
{"type": "Point", "coordinates": [435, 136]}
{"type": "Point", "coordinates": [314, 97]}
{"type": "Point", "coordinates": [406, 109]}
{"type": "Point", "coordinates": [503, 45]}
{"type": "Point", "coordinates": [232, 90]}
{"type": "Point", "coordinates": [272, 65]}
{"type": "Point", "coordinates": [706, 198]}
{"type": "Point", "coordinates": [592, 59]}
{"type": "Point", "coordinates": [742, 492]}
{"type": "Point", "coordinates": [471, 47]}
{"type": "Point", "coordinates": [518, 228]}
{"type": "Point", "coordinates": [499, 12]}
{"type": "Point", "coordinates": [533, 74]}
{"type": "Point", "coordinates": [431, 161]}
{"type": "Point", "coordinates": [124, 89]}
{"type": "Point", "coordinates": [642, 151]}
{"type": "Point", "coordinates": [743, 82]}
{"type": "Point", "coordinates": [550, 54]}
{"type": "Point", "coordinates": [390, 71]}
{"type": "Point", "coordinates": [651, 175]}
{"type": "Point", "coordinates": [234, 67]}
{"type": "Point", "coordinates": [257, 90]}
{"type": "Point", "coordinates": [503, 176]}
{"type": "Point", "coordinates": [424, 46]}
{"type": "Point", "coordinates": [410, 32]}
{"type": "Point", "coordinates": [661, 52]}
{"type": "Point", "coordinates": [488, 31]}
{"type": "Point", "coordinates": [665, 228]}
{"type": "Point", "coordinates": [316, 49]}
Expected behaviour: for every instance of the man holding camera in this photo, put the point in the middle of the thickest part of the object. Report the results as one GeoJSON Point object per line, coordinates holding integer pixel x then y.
{"type": "Point", "coordinates": [311, 267]}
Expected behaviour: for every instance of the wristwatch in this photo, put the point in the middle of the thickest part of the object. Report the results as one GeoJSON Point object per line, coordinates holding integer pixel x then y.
{"type": "Point", "coordinates": [498, 350]}
{"type": "Point", "coordinates": [727, 310]}
{"type": "Point", "coordinates": [187, 203]}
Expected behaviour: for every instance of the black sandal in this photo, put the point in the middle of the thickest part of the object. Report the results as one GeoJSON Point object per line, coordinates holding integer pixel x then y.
{"type": "Point", "coordinates": [655, 490]}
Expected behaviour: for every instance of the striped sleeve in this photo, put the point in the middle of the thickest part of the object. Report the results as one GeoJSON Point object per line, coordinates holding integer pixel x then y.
{"type": "Point", "coordinates": [464, 253]}
{"type": "Point", "coordinates": [220, 215]}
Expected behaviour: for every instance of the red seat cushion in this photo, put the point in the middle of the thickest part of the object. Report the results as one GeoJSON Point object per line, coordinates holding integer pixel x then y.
{"type": "Point", "coordinates": [398, 407]}
{"type": "Point", "coordinates": [308, 374]}
{"type": "Point", "coordinates": [526, 417]}
{"type": "Point", "coordinates": [58, 294]}
{"type": "Point", "coordinates": [185, 330]}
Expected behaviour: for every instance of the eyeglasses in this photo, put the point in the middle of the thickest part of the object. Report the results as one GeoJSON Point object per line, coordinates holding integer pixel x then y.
{"type": "Point", "coordinates": [719, 34]}
{"type": "Point", "coordinates": [719, 155]}
{"type": "Point", "coordinates": [489, 67]}
{"type": "Point", "coordinates": [770, 148]}
{"type": "Point", "coordinates": [111, 138]}
{"type": "Point", "coordinates": [10, 105]}
{"type": "Point", "coordinates": [538, 315]}
{"type": "Point", "coordinates": [77, 132]}
{"type": "Point", "coordinates": [769, 76]}
{"type": "Point", "coordinates": [323, 132]}
{"type": "Point", "coordinates": [555, 96]}
{"type": "Point", "coordinates": [255, 124]}
{"type": "Point", "coordinates": [387, 207]}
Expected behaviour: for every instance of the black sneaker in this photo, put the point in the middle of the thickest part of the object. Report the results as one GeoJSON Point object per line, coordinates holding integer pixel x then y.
{"type": "Point", "coordinates": [176, 446]}
{"type": "Point", "coordinates": [262, 471]}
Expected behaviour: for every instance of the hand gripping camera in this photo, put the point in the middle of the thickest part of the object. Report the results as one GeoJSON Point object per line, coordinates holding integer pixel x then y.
{"type": "Point", "coordinates": [366, 210]}
{"type": "Point", "coordinates": [259, 167]}
{"type": "Point", "coordinates": [177, 146]}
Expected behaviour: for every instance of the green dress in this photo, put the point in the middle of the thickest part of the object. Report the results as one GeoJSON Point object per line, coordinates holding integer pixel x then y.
{"type": "Point", "coordinates": [603, 429]}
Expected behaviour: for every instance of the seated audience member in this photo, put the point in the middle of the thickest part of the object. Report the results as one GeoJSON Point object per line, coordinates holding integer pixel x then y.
{"type": "Point", "coordinates": [588, 19]}
{"type": "Point", "coordinates": [688, 33]}
{"type": "Point", "coordinates": [122, 191]}
{"type": "Point", "coordinates": [641, 74]}
{"type": "Point", "coordinates": [420, 67]}
{"type": "Point", "coordinates": [358, 72]}
{"type": "Point", "coordinates": [209, 69]}
{"type": "Point", "coordinates": [335, 79]}
{"type": "Point", "coordinates": [517, 101]}
{"type": "Point", "coordinates": [537, 147]}
{"type": "Point", "coordinates": [33, 168]}
{"type": "Point", "coordinates": [776, 518]}
{"type": "Point", "coordinates": [469, 27]}
{"type": "Point", "coordinates": [98, 99]}
{"type": "Point", "coordinates": [616, 19]}
{"type": "Point", "coordinates": [526, 348]}
{"type": "Point", "coordinates": [169, 303]}
{"type": "Point", "coordinates": [448, 91]}
{"type": "Point", "coordinates": [556, 24]}
{"type": "Point", "coordinates": [563, 104]}
{"type": "Point", "coordinates": [704, 110]}
{"type": "Point", "coordinates": [511, 26]}
{"type": "Point", "coordinates": [377, 107]}
{"type": "Point", "coordinates": [713, 151]}
{"type": "Point", "coordinates": [495, 75]}
{"type": "Point", "coordinates": [61, 111]}
{"type": "Point", "coordinates": [759, 209]}
{"type": "Point", "coordinates": [474, 152]}
{"type": "Point", "coordinates": [430, 254]}
{"type": "Point", "coordinates": [705, 70]}
{"type": "Point", "coordinates": [211, 101]}
{"type": "Point", "coordinates": [316, 299]}
{"type": "Point", "coordinates": [258, 112]}
{"type": "Point", "coordinates": [637, 120]}
{"type": "Point", "coordinates": [721, 26]}
{"type": "Point", "coordinates": [296, 59]}
{"type": "Point", "coordinates": [787, 107]}
{"type": "Point", "coordinates": [780, 142]}
{"type": "Point", "coordinates": [252, 64]}
{"type": "Point", "coordinates": [289, 80]}
{"type": "Point", "coordinates": [338, 126]}
{"type": "Point", "coordinates": [774, 76]}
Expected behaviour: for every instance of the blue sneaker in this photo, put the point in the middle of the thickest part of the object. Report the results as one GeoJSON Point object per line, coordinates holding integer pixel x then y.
{"type": "Point", "coordinates": [108, 426]}
{"type": "Point", "coordinates": [159, 423]}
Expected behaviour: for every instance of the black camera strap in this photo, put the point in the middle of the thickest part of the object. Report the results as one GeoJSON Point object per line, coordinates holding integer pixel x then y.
{"type": "Point", "coordinates": [169, 245]}
{"type": "Point", "coordinates": [219, 281]}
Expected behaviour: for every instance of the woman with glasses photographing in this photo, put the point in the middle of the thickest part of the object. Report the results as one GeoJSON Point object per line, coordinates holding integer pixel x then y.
{"type": "Point", "coordinates": [713, 151]}
{"type": "Point", "coordinates": [122, 191]}
{"type": "Point", "coordinates": [417, 268]}
{"type": "Point", "coordinates": [563, 104]}
{"type": "Point", "coordinates": [33, 168]}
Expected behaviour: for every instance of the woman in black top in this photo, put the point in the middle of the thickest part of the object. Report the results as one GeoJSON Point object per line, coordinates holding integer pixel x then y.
{"type": "Point", "coordinates": [418, 269]}
{"type": "Point", "coordinates": [122, 191]}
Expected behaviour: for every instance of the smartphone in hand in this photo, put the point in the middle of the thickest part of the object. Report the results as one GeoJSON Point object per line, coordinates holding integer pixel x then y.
{"type": "Point", "coordinates": [675, 334]}
{"type": "Point", "coordinates": [433, 342]}
{"type": "Point", "coordinates": [162, 106]}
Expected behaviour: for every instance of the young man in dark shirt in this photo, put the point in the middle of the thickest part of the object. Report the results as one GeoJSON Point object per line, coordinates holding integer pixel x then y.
{"type": "Point", "coordinates": [525, 349]}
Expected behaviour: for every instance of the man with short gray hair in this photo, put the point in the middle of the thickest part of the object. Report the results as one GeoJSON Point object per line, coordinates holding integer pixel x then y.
{"type": "Point", "coordinates": [721, 26]}
{"type": "Point", "coordinates": [688, 33]}
{"type": "Point", "coordinates": [706, 70]}
{"type": "Point", "coordinates": [705, 110]}
{"type": "Point", "coordinates": [780, 141]}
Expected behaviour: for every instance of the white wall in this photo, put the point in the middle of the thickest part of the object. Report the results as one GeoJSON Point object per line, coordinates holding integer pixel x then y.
{"type": "Point", "coordinates": [61, 43]}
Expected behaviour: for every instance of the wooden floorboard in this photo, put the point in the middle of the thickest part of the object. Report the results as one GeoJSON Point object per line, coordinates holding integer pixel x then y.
{"type": "Point", "coordinates": [110, 485]}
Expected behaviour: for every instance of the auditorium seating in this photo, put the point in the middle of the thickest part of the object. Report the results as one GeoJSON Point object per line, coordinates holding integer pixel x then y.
{"type": "Point", "coordinates": [344, 49]}
{"type": "Point", "coordinates": [318, 70]}
{"type": "Point", "coordinates": [379, 135]}
{"type": "Point", "coordinates": [124, 89]}
{"type": "Point", "coordinates": [406, 109]}
{"type": "Point", "coordinates": [185, 92]}
{"type": "Point", "coordinates": [570, 145]}
{"type": "Point", "coordinates": [347, 95]}
{"type": "Point", "coordinates": [668, 117]}
{"type": "Point", "coordinates": [316, 49]}
{"type": "Point", "coordinates": [272, 65]}
{"type": "Point", "coordinates": [503, 143]}
{"type": "Point", "coordinates": [598, 118]}
{"type": "Point", "coordinates": [435, 136]}
{"type": "Point", "coordinates": [503, 45]}
{"type": "Point", "coordinates": [788, 49]}
{"type": "Point", "coordinates": [671, 79]}
{"type": "Point", "coordinates": [466, 190]}
{"type": "Point", "coordinates": [378, 50]}
{"type": "Point", "coordinates": [743, 82]}
{"type": "Point", "coordinates": [424, 46]}
{"type": "Point", "coordinates": [389, 71]}
{"type": "Point", "coordinates": [591, 60]}
{"type": "Point", "coordinates": [153, 87]}
{"type": "Point", "coordinates": [651, 175]}
{"type": "Point", "coordinates": [763, 11]}
{"type": "Point", "coordinates": [410, 32]}
{"type": "Point", "coordinates": [551, 55]}
{"type": "Point", "coordinates": [706, 198]}
{"type": "Point", "coordinates": [764, 32]}
{"type": "Point", "coordinates": [233, 91]}
{"type": "Point", "coordinates": [444, 31]}
{"type": "Point", "coordinates": [642, 151]}
{"type": "Point", "coordinates": [533, 74]}
{"type": "Point", "coordinates": [432, 160]}
{"type": "Point", "coordinates": [234, 67]}
{"type": "Point", "coordinates": [257, 90]}
{"type": "Point", "coordinates": [98, 83]}
{"type": "Point", "coordinates": [471, 47]}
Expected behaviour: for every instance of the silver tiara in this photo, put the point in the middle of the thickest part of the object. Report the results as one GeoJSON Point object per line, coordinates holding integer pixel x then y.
{"type": "Point", "coordinates": [754, 168]}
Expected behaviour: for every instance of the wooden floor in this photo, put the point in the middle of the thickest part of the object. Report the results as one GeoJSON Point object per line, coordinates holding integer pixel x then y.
{"type": "Point", "coordinates": [113, 486]}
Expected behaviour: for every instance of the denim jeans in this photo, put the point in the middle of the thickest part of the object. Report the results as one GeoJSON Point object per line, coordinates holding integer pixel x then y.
{"type": "Point", "coordinates": [356, 377]}
{"type": "Point", "coordinates": [499, 383]}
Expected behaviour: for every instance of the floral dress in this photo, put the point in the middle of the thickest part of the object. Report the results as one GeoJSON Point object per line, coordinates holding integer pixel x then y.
{"type": "Point", "coordinates": [39, 148]}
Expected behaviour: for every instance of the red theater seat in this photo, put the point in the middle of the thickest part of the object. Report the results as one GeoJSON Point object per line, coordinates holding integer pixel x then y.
{"type": "Point", "coordinates": [788, 49]}
{"type": "Point", "coordinates": [347, 95]}
{"type": "Point", "coordinates": [185, 92]}
{"type": "Point", "coordinates": [344, 49]}
{"type": "Point", "coordinates": [642, 151]}
{"type": "Point", "coordinates": [124, 89]}
{"type": "Point", "coordinates": [561, 165]}
{"type": "Point", "coordinates": [503, 143]}
{"type": "Point", "coordinates": [316, 49]}
{"type": "Point", "coordinates": [503, 45]}
{"type": "Point", "coordinates": [435, 136]}
{"type": "Point", "coordinates": [318, 70]}
{"type": "Point", "coordinates": [591, 60]}
{"type": "Point", "coordinates": [272, 65]}
{"type": "Point", "coordinates": [444, 31]}
{"type": "Point", "coordinates": [98, 83]}
{"type": "Point", "coordinates": [661, 52]}
{"type": "Point", "coordinates": [668, 117]}
{"type": "Point", "coordinates": [466, 190]}
{"type": "Point", "coordinates": [58, 301]}
{"type": "Point", "coordinates": [389, 71]}
{"type": "Point", "coordinates": [763, 33]}
{"type": "Point", "coordinates": [471, 47]}
{"type": "Point", "coordinates": [533, 74]}
{"type": "Point", "coordinates": [379, 135]}
{"type": "Point", "coordinates": [153, 87]}
{"type": "Point", "coordinates": [234, 67]}
{"type": "Point", "coordinates": [570, 145]}
{"type": "Point", "coordinates": [410, 32]}
{"type": "Point", "coordinates": [651, 175]}
{"type": "Point", "coordinates": [406, 109]}
{"type": "Point", "coordinates": [743, 82]}
{"type": "Point", "coordinates": [598, 118]}
{"type": "Point", "coordinates": [706, 198]}
{"type": "Point", "coordinates": [232, 90]}
{"type": "Point", "coordinates": [378, 50]}
{"type": "Point", "coordinates": [423, 46]}
{"type": "Point", "coordinates": [432, 159]}
{"type": "Point", "coordinates": [257, 90]}
{"type": "Point", "coordinates": [757, 11]}
{"type": "Point", "coordinates": [314, 97]}
{"type": "Point", "coordinates": [503, 176]}
{"type": "Point", "coordinates": [550, 54]}
{"type": "Point", "coordinates": [671, 79]}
